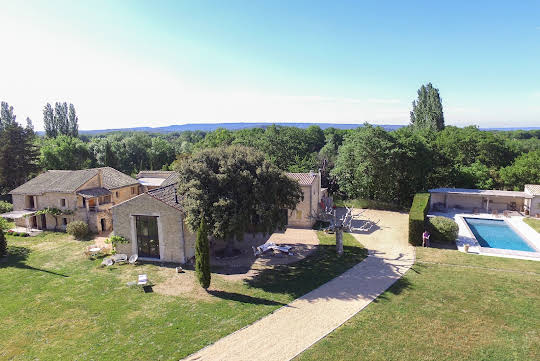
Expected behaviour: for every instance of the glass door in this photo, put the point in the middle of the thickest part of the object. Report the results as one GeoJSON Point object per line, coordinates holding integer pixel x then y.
{"type": "Point", "coordinates": [147, 236]}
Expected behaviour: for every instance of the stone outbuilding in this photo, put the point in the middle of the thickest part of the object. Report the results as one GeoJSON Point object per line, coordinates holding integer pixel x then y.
{"type": "Point", "coordinates": [305, 212]}
{"type": "Point", "coordinates": [153, 222]}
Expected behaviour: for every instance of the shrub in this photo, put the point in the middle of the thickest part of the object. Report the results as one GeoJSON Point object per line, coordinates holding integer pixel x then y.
{"type": "Point", "coordinates": [77, 229]}
{"type": "Point", "coordinates": [442, 229]}
{"type": "Point", "coordinates": [115, 240]}
{"type": "Point", "coordinates": [5, 207]}
{"type": "Point", "coordinates": [417, 217]}
{"type": "Point", "coordinates": [318, 225]}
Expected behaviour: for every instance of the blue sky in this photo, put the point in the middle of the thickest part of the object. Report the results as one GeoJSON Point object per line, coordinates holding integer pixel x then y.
{"type": "Point", "coordinates": [141, 63]}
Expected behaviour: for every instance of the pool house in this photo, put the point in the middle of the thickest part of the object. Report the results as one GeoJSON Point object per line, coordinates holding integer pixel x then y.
{"type": "Point", "coordinates": [487, 200]}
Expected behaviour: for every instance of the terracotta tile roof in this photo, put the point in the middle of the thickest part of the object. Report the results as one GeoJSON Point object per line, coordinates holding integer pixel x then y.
{"type": "Point", "coordinates": [533, 189]}
{"type": "Point", "coordinates": [167, 195]}
{"type": "Point", "coordinates": [69, 181]}
{"type": "Point", "coordinates": [305, 179]}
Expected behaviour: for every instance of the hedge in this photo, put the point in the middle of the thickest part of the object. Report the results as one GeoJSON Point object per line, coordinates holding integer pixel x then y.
{"type": "Point", "coordinates": [417, 217]}
{"type": "Point", "coordinates": [442, 229]}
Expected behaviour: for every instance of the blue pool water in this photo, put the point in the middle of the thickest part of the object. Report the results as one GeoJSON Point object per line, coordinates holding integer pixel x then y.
{"type": "Point", "coordinates": [494, 233]}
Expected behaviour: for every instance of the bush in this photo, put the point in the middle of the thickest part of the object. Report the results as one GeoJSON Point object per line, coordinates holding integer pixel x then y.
{"type": "Point", "coordinates": [417, 217]}
{"type": "Point", "coordinates": [319, 225]}
{"type": "Point", "coordinates": [77, 229]}
{"type": "Point", "coordinates": [442, 229]}
{"type": "Point", "coordinates": [5, 207]}
{"type": "Point", "coordinates": [115, 240]}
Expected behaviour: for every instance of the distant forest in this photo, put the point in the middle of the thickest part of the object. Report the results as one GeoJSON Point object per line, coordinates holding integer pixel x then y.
{"type": "Point", "coordinates": [368, 162]}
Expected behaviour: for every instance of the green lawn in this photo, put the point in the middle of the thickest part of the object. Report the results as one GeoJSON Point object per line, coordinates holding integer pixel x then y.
{"type": "Point", "coordinates": [449, 306]}
{"type": "Point", "coordinates": [56, 304]}
{"type": "Point", "coordinates": [534, 223]}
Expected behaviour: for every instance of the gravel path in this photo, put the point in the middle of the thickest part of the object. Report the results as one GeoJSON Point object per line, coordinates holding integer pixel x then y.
{"type": "Point", "coordinates": [293, 328]}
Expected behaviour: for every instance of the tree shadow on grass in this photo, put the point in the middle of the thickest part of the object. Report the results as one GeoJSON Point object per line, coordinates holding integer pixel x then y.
{"type": "Point", "coordinates": [17, 256]}
{"type": "Point", "coordinates": [238, 297]}
{"type": "Point", "coordinates": [297, 279]}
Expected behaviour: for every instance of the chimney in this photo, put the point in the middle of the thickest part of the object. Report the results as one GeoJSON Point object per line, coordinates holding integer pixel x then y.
{"type": "Point", "coordinates": [100, 178]}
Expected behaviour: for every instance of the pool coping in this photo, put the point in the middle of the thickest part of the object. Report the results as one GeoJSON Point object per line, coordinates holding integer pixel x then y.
{"type": "Point", "coordinates": [466, 236]}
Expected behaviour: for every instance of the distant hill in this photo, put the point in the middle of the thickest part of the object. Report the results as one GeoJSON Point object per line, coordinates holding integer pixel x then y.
{"type": "Point", "coordinates": [207, 127]}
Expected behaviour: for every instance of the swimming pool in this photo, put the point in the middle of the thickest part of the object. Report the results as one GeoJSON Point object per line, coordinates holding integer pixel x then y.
{"type": "Point", "coordinates": [495, 233]}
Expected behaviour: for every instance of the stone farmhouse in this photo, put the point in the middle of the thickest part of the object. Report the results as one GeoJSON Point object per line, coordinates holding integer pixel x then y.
{"type": "Point", "coordinates": [84, 195]}
{"type": "Point", "coordinates": [153, 222]}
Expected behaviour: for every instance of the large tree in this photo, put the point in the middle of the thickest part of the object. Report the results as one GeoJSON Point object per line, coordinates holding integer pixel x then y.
{"type": "Point", "coordinates": [51, 129]}
{"type": "Point", "coordinates": [18, 153]}
{"type": "Point", "coordinates": [73, 121]}
{"type": "Point", "coordinates": [525, 170]}
{"type": "Point", "coordinates": [427, 112]}
{"type": "Point", "coordinates": [61, 118]}
{"type": "Point", "coordinates": [7, 116]}
{"type": "Point", "coordinates": [64, 152]}
{"type": "Point", "coordinates": [236, 189]}
{"type": "Point", "coordinates": [376, 164]}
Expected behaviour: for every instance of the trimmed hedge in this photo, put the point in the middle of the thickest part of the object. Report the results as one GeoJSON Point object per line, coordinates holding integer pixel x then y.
{"type": "Point", "coordinates": [417, 217]}
{"type": "Point", "coordinates": [442, 229]}
{"type": "Point", "coordinates": [77, 229]}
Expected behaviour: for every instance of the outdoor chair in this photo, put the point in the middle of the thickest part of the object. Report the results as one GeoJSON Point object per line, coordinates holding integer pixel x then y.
{"type": "Point", "coordinates": [142, 280]}
{"type": "Point", "coordinates": [107, 262]}
{"type": "Point", "coordinates": [133, 259]}
{"type": "Point", "coordinates": [120, 258]}
{"type": "Point", "coordinates": [506, 214]}
{"type": "Point", "coordinates": [495, 213]}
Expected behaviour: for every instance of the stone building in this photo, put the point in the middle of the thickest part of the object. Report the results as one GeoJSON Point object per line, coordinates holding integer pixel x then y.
{"type": "Point", "coordinates": [304, 213]}
{"type": "Point", "coordinates": [153, 222]}
{"type": "Point", "coordinates": [84, 195]}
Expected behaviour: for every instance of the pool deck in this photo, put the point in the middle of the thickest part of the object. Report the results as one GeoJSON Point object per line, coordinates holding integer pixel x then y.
{"type": "Point", "coordinates": [466, 237]}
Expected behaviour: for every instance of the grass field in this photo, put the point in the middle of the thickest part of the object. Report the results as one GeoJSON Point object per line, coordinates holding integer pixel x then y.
{"type": "Point", "coordinates": [534, 223]}
{"type": "Point", "coordinates": [449, 306]}
{"type": "Point", "coordinates": [58, 305]}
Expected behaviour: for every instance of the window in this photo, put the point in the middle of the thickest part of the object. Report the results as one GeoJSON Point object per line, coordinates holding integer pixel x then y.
{"type": "Point", "coordinates": [64, 221]}
{"type": "Point", "coordinates": [133, 190]}
{"type": "Point", "coordinates": [147, 236]}
{"type": "Point", "coordinates": [298, 214]}
{"type": "Point", "coordinates": [62, 202]}
{"type": "Point", "coordinates": [117, 194]}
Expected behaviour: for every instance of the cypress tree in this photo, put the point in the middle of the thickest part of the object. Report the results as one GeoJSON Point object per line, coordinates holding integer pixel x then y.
{"type": "Point", "coordinates": [3, 243]}
{"type": "Point", "coordinates": [202, 256]}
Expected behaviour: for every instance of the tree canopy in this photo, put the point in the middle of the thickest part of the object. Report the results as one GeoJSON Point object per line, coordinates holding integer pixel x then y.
{"type": "Point", "coordinates": [233, 188]}
{"type": "Point", "coordinates": [427, 112]}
